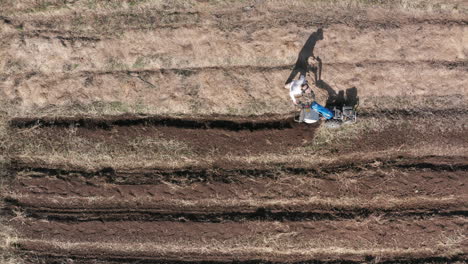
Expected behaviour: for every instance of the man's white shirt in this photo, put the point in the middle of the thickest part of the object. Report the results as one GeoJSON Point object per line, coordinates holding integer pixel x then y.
{"type": "Point", "coordinates": [295, 88]}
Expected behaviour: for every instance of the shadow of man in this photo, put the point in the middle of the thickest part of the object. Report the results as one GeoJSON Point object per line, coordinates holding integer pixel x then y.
{"type": "Point", "coordinates": [302, 64]}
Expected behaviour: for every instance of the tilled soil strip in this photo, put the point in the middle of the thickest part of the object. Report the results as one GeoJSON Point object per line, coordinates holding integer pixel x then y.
{"type": "Point", "coordinates": [150, 253]}
{"type": "Point", "coordinates": [320, 240]}
{"type": "Point", "coordinates": [33, 256]}
{"type": "Point", "coordinates": [423, 112]}
{"type": "Point", "coordinates": [221, 210]}
{"type": "Point", "coordinates": [227, 171]}
{"type": "Point", "coordinates": [366, 184]}
{"type": "Point", "coordinates": [221, 122]}
{"type": "Point", "coordinates": [380, 187]}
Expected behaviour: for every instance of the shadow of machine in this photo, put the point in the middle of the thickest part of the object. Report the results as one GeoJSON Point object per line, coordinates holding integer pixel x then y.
{"type": "Point", "coordinates": [348, 97]}
{"type": "Point", "coordinates": [343, 104]}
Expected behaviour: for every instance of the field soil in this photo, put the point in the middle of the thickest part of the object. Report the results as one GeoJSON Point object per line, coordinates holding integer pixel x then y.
{"type": "Point", "coordinates": [362, 202]}
{"type": "Point", "coordinates": [160, 132]}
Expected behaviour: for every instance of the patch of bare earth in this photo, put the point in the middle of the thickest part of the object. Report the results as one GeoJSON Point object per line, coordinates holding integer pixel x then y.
{"type": "Point", "coordinates": [337, 204]}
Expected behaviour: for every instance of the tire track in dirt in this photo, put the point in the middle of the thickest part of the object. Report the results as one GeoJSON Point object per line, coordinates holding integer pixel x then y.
{"type": "Point", "coordinates": [420, 79]}
{"type": "Point", "coordinates": [230, 21]}
{"type": "Point", "coordinates": [440, 64]}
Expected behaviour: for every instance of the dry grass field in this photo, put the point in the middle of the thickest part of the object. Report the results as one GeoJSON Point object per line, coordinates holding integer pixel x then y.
{"type": "Point", "coordinates": [159, 131]}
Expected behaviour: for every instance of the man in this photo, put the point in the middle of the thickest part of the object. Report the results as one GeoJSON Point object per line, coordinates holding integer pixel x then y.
{"type": "Point", "coordinates": [302, 95]}
{"type": "Point", "coordinates": [297, 88]}
{"type": "Point", "coordinates": [310, 110]}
